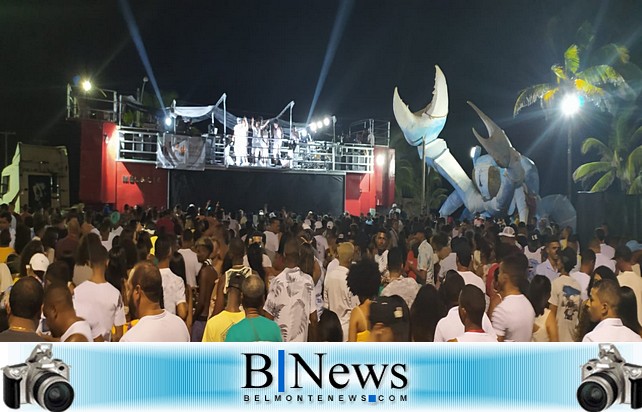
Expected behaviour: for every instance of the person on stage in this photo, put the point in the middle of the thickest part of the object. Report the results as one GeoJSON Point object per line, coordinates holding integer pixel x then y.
{"type": "Point", "coordinates": [277, 139]}
{"type": "Point", "coordinates": [240, 142]}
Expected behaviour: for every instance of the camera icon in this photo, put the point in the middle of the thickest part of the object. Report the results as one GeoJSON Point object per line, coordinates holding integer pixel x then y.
{"type": "Point", "coordinates": [41, 379]}
{"type": "Point", "coordinates": [608, 380]}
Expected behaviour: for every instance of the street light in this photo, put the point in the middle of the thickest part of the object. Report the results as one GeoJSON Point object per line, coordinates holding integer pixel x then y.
{"type": "Point", "coordinates": [86, 85]}
{"type": "Point", "coordinates": [571, 104]}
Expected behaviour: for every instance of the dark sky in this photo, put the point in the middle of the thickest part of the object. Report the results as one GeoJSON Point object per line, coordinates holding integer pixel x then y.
{"type": "Point", "coordinates": [265, 53]}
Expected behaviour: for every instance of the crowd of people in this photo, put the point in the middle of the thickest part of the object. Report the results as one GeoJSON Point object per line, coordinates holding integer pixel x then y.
{"type": "Point", "coordinates": [204, 275]}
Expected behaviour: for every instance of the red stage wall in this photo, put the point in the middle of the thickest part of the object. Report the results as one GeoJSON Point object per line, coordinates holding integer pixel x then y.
{"type": "Point", "coordinates": [372, 191]}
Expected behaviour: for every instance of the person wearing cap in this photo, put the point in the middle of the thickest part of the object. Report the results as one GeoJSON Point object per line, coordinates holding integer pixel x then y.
{"type": "Point", "coordinates": [389, 319]}
{"type": "Point", "coordinates": [627, 277]}
{"type": "Point", "coordinates": [38, 265]}
{"type": "Point", "coordinates": [507, 235]}
{"type": "Point", "coordinates": [551, 266]}
{"type": "Point", "coordinates": [425, 263]}
{"type": "Point", "coordinates": [533, 252]}
{"type": "Point", "coordinates": [291, 301]}
{"type": "Point", "coordinates": [471, 311]}
{"type": "Point", "coordinates": [336, 294]}
{"type": "Point", "coordinates": [636, 250]}
{"type": "Point", "coordinates": [218, 325]}
{"type": "Point", "coordinates": [253, 327]}
{"type": "Point", "coordinates": [24, 311]}
{"type": "Point", "coordinates": [603, 306]}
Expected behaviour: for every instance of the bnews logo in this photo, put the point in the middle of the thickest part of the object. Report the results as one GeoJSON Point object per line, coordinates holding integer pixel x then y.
{"type": "Point", "coordinates": [295, 372]}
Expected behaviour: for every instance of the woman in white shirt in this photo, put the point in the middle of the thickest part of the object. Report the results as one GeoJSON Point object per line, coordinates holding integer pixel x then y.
{"type": "Point", "coordinates": [539, 293]}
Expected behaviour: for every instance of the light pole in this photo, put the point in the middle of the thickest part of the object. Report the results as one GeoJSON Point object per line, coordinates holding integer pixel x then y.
{"type": "Point", "coordinates": [571, 104]}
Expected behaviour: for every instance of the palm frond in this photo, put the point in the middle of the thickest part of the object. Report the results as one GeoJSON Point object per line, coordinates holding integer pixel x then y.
{"type": "Point", "coordinates": [589, 169]}
{"type": "Point", "coordinates": [572, 59]}
{"type": "Point", "coordinates": [636, 186]}
{"type": "Point", "coordinates": [591, 143]}
{"type": "Point", "coordinates": [611, 54]}
{"type": "Point", "coordinates": [604, 182]}
{"type": "Point", "coordinates": [530, 95]}
{"type": "Point", "coordinates": [636, 135]}
{"type": "Point", "coordinates": [587, 89]}
{"type": "Point", "coordinates": [634, 162]}
{"type": "Point", "coordinates": [549, 95]}
{"type": "Point", "coordinates": [602, 75]}
{"type": "Point", "coordinates": [559, 73]}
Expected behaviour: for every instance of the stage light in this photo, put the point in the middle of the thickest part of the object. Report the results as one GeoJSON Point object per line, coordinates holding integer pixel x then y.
{"type": "Point", "coordinates": [313, 127]}
{"type": "Point", "coordinates": [168, 121]}
{"type": "Point", "coordinates": [326, 121]}
{"type": "Point", "coordinates": [380, 160]}
{"type": "Point", "coordinates": [304, 133]}
{"type": "Point", "coordinates": [319, 124]}
{"type": "Point", "coordinates": [86, 85]}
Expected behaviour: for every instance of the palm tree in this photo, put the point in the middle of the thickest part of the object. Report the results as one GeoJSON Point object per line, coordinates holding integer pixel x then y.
{"type": "Point", "coordinates": [590, 83]}
{"type": "Point", "coordinates": [620, 158]}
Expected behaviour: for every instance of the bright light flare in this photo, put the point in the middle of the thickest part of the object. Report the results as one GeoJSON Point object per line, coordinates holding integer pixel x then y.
{"type": "Point", "coordinates": [168, 121]}
{"type": "Point", "coordinates": [319, 124]}
{"type": "Point", "coordinates": [571, 104]}
{"type": "Point", "coordinates": [304, 133]}
{"type": "Point", "coordinates": [380, 160]}
{"type": "Point", "coordinates": [313, 127]}
{"type": "Point", "coordinates": [326, 121]}
{"type": "Point", "coordinates": [86, 85]}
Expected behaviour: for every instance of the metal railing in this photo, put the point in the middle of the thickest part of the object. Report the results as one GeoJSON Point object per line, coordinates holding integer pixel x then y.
{"type": "Point", "coordinates": [369, 131]}
{"type": "Point", "coordinates": [97, 104]}
{"type": "Point", "coordinates": [137, 145]}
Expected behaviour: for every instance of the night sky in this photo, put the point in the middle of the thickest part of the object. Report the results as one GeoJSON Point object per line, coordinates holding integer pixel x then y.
{"type": "Point", "coordinates": [265, 53]}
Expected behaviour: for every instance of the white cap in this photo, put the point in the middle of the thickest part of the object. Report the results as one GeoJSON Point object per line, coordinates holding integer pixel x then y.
{"type": "Point", "coordinates": [508, 232]}
{"type": "Point", "coordinates": [39, 262]}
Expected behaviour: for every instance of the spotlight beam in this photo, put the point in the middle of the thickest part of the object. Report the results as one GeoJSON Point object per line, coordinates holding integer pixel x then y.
{"type": "Point", "coordinates": [340, 22]}
{"type": "Point", "coordinates": [140, 46]}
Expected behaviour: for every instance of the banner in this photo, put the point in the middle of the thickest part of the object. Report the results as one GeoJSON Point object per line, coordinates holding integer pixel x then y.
{"type": "Point", "coordinates": [267, 376]}
{"type": "Point", "coordinates": [180, 152]}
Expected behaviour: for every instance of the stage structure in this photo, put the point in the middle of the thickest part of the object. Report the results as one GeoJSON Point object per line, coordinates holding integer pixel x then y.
{"type": "Point", "coordinates": [132, 154]}
{"type": "Point", "coordinates": [504, 180]}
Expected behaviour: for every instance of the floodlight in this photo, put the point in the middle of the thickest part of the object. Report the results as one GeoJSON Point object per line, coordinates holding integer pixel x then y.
{"type": "Point", "coordinates": [86, 85]}
{"type": "Point", "coordinates": [319, 124]}
{"type": "Point", "coordinates": [380, 160]}
{"type": "Point", "coordinates": [326, 121]}
{"type": "Point", "coordinates": [168, 121]}
{"type": "Point", "coordinates": [571, 104]}
{"type": "Point", "coordinates": [313, 127]}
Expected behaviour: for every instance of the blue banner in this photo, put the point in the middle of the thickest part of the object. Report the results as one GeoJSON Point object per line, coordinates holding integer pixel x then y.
{"type": "Point", "coordinates": [322, 376]}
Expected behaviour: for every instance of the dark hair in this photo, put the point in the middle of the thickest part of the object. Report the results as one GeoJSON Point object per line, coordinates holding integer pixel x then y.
{"type": "Point", "coordinates": [116, 271]}
{"type": "Point", "coordinates": [451, 288]}
{"type": "Point", "coordinates": [188, 235]}
{"type": "Point", "coordinates": [439, 241]}
{"type": "Point", "coordinates": [5, 238]}
{"type": "Point", "coordinates": [49, 238]}
{"type": "Point", "coordinates": [148, 277]}
{"type": "Point", "coordinates": [330, 327]}
{"type": "Point", "coordinates": [627, 310]}
{"type": "Point", "coordinates": [473, 301]}
{"type": "Point", "coordinates": [82, 252]}
{"type": "Point", "coordinates": [587, 255]}
{"type": "Point", "coordinates": [516, 267]}
{"type": "Point", "coordinates": [130, 251]}
{"type": "Point", "coordinates": [364, 279]}
{"type": "Point", "coordinates": [395, 260]}
{"type": "Point", "coordinates": [163, 247]}
{"type": "Point", "coordinates": [464, 253]}
{"type": "Point", "coordinates": [599, 234]}
{"type": "Point", "coordinates": [609, 291]}
{"type": "Point", "coordinates": [21, 237]}
{"type": "Point", "coordinates": [306, 258]}
{"type": "Point", "coordinates": [539, 292]}
{"type": "Point", "coordinates": [255, 259]}
{"type": "Point", "coordinates": [623, 252]}
{"type": "Point", "coordinates": [427, 310]}
{"type": "Point", "coordinates": [568, 256]}
{"type": "Point", "coordinates": [236, 249]}
{"type": "Point", "coordinates": [604, 272]}
{"type": "Point", "coordinates": [58, 272]}
{"type": "Point", "coordinates": [177, 265]}
{"type": "Point", "coordinates": [253, 292]}
{"type": "Point", "coordinates": [26, 298]}
{"type": "Point", "coordinates": [97, 253]}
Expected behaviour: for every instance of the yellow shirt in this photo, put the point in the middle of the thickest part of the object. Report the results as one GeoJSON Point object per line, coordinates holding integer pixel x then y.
{"type": "Point", "coordinates": [5, 252]}
{"type": "Point", "coordinates": [217, 327]}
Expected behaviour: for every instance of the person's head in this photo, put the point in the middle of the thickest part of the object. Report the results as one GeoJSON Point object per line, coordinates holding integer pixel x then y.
{"type": "Point", "coordinates": [255, 259]}
{"type": "Point", "coordinates": [25, 299]}
{"type": "Point", "coordinates": [145, 288]}
{"type": "Point", "coordinates": [427, 309]}
{"type": "Point", "coordinates": [5, 220]}
{"type": "Point", "coordinates": [73, 227]}
{"type": "Point", "coordinates": [97, 254]}
{"type": "Point", "coordinates": [623, 257]}
{"type": "Point", "coordinates": [187, 239]}
{"type": "Point", "coordinates": [439, 243]}
{"type": "Point", "coordinates": [600, 273]}
{"type": "Point", "coordinates": [58, 273]}
{"type": "Point", "coordinates": [163, 248]}
{"type": "Point", "coordinates": [627, 310]}
{"type": "Point", "coordinates": [472, 305]}
{"type": "Point", "coordinates": [568, 257]}
{"type": "Point", "coordinates": [604, 300]}
{"type": "Point", "coordinates": [420, 233]}
{"type": "Point", "coordinates": [116, 271]}
{"type": "Point", "coordinates": [381, 240]}
{"type": "Point", "coordinates": [329, 327]}
{"type": "Point", "coordinates": [50, 238]}
{"type": "Point", "coordinates": [364, 279]}
{"type": "Point", "coordinates": [552, 248]}
{"type": "Point", "coordinates": [177, 265]}
{"type": "Point", "coordinates": [600, 234]}
{"type": "Point", "coordinates": [58, 308]}
{"type": "Point", "coordinates": [5, 238]}
{"type": "Point", "coordinates": [204, 248]}
{"type": "Point", "coordinates": [345, 253]}
{"type": "Point", "coordinates": [588, 261]}
{"type": "Point", "coordinates": [464, 255]}
{"type": "Point", "coordinates": [275, 225]}
{"type": "Point", "coordinates": [451, 288]}
{"type": "Point", "coordinates": [33, 247]}
{"type": "Point", "coordinates": [253, 292]}
{"type": "Point", "coordinates": [236, 250]}
{"type": "Point", "coordinates": [291, 252]}
{"type": "Point", "coordinates": [395, 260]}
{"type": "Point", "coordinates": [539, 292]}
{"type": "Point", "coordinates": [234, 286]}
{"type": "Point", "coordinates": [38, 265]}
{"type": "Point", "coordinates": [389, 319]}
{"type": "Point", "coordinates": [512, 272]}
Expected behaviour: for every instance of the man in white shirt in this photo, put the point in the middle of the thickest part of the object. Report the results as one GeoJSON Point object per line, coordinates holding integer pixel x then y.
{"type": "Point", "coordinates": [192, 265]}
{"type": "Point", "coordinates": [291, 301]}
{"type": "Point", "coordinates": [626, 276]}
{"type": "Point", "coordinates": [564, 302]}
{"type": "Point", "coordinates": [603, 303]}
{"type": "Point", "coordinates": [336, 294]}
{"type": "Point", "coordinates": [447, 259]}
{"type": "Point", "coordinates": [583, 276]}
{"type": "Point", "coordinates": [173, 286]}
{"type": "Point", "coordinates": [155, 324]}
{"type": "Point", "coordinates": [272, 237]}
{"type": "Point", "coordinates": [425, 263]}
{"type": "Point", "coordinates": [550, 267]}
{"type": "Point", "coordinates": [605, 249]}
{"type": "Point", "coordinates": [451, 326]}
{"type": "Point", "coordinates": [463, 258]}
{"type": "Point", "coordinates": [533, 252]}
{"type": "Point", "coordinates": [601, 259]}
{"type": "Point", "coordinates": [471, 311]}
{"type": "Point", "coordinates": [322, 242]}
{"type": "Point", "coordinates": [513, 318]}
{"type": "Point", "coordinates": [381, 251]}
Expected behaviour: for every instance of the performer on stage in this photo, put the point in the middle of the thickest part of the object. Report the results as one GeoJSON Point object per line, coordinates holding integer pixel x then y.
{"type": "Point", "coordinates": [264, 129]}
{"type": "Point", "coordinates": [277, 137]}
{"type": "Point", "coordinates": [256, 142]}
{"type": "Point", "coordinates": [240, 141]}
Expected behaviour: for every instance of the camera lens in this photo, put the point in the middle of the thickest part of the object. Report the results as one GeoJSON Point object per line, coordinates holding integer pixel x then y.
{"type": "Point", "coordinates": [597, 392]}
{"type": "Point", "coordinates": [53, 392]}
